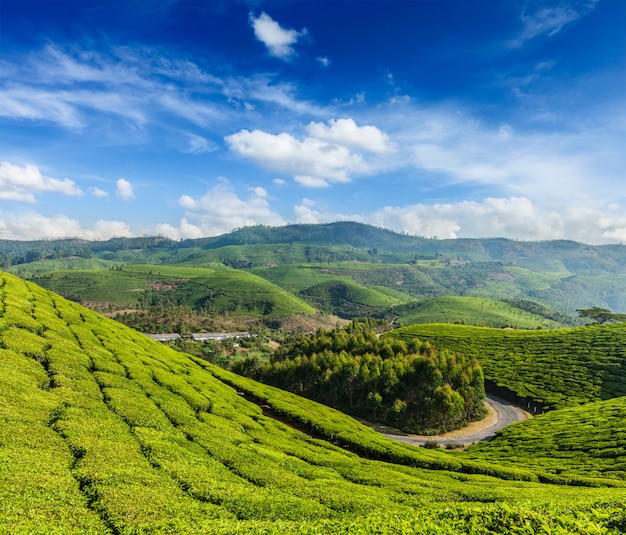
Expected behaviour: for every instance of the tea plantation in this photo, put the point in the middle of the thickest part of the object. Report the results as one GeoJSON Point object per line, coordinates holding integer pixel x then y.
{"type": "Point", "coordinates": [103, 431]}
{"type": "Point", "coordinates": [553, 368]}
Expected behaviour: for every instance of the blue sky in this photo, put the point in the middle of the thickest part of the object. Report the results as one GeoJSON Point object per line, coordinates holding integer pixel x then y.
{"type": "Point", "coordinates": [190, 118]}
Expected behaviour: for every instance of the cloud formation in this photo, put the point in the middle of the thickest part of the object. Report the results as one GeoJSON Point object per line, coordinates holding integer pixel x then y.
{"type": "Point", "coordinates": [347, 133]}
{"type": "Point", "coordinates": [77, 88]}
{"type": "Point", "coordinates": [550, 20]}
{"type": "Point", "coordinates": [22, 183]}
{"type": "Point", "coordinates": [221, 210]}
{"type": "Point", "coordinates": [124, 190]}
{"type": "Point", "coordinates": [331, 152]}
{"type": "Point", "coordinates": [35, 226]}
{"type": "Point", "coordinates": [510, 217]}
{"type": "Point", "coordinates": [278, 40]}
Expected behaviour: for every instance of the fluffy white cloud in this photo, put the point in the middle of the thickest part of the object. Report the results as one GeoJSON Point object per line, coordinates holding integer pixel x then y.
{"type": "Point", "coordinates": [512, 217]}
{"type": "Point", "coordinates": [22, 183]}
{"type": "Point", "coordinates": [329, 154]}
{"type": "Point", "coordinates": [124, 190]}
{"type": "Point", "coordinates": [278, 40]}
{"type": "Point", "coordinates": [97, 192]}
{"type": "Point", "coordinates": [347, 133]}
{"type": "Point", "coordinates": [35, 226]}
{"type": "Point", "coordinates": [221, 210]}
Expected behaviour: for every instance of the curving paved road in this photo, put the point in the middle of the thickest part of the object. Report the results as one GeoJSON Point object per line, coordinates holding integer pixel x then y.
{"type": "Point", "coordinates": [506, 413]}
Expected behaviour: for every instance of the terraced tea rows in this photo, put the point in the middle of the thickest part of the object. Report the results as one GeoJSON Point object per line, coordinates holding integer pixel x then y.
{"type": "Point", "coordinates": [554, 368]}
{"type": "Point", "coordinates": [588, 441]}
{"type": "Point", "coordinates": [105, 431]}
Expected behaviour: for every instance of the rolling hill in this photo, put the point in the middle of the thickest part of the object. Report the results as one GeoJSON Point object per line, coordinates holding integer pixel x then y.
{"type": "Point", "coordinates": [471, 310]}
{"type": "Point", "coordinates": [106, 431]}
{"type": "Point", "coordinates": [216, 291]}
{"type": "Point", "coordinates": [562, 275]}
{"type": "Point", "coordinates": [597, 447]}
{"type": "Point", "coordinates": [546, 369]}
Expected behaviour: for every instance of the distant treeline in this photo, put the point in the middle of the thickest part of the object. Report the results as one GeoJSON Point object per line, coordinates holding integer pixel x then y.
{"type": "Point", "coordinates": [409, 385]}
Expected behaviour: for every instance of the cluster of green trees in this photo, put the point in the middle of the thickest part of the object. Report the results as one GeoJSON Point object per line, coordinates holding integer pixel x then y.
{"type": "Point", "coordinates": [409, 385]}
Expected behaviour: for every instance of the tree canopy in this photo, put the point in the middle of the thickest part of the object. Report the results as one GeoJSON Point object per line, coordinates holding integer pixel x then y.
{"type": "Point", "coordinates": [409, 385]}
{"type": "Point", "coordinates": [599, 315]}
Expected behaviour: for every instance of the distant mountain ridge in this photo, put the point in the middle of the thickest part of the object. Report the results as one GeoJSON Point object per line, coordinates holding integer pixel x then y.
{"type": "Point", "coordinates": [560, 274]}
{"type": "Point", "coordinates": [357, 235]}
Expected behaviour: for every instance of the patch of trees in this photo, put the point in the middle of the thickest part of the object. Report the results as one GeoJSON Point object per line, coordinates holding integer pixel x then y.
{"type": "Point", "coordinates": [599, 316]}
{"type": "Point", "coordinates": [411, 385]}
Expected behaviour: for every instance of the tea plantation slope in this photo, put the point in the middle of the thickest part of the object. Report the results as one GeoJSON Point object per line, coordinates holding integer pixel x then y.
{"type": "Point", "coordinates": [549, 368]}
{"type": "Point", "coordinates": [589, 440]}
{"type": "Point", "coordinates": [216, 291]}
{"type": "Point", "coordinates": [472, 311]}
{"type": "Point", "coordinates": [103, 431]}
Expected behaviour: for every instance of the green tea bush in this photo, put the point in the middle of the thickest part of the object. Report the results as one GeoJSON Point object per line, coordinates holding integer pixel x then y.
{"type": "Point", "coordinates": [547, 369]}
{"type": "Point", "coordinates": [108, 433]}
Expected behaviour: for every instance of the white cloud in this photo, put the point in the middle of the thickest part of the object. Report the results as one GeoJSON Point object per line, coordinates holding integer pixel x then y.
{"type": "Point", "coordinates": [130, 94]}
{"type": "Point", "coordinates": [329, 154]}
{"type": "Point", "coordinates": [551, 20]}
{"type": "Point", "coordinates": [35, 226]}
{"type": "Point", "coordinates": [285, 153]}
{"type": "Point", "coordinates": [448, 148]}
{"type": "Point", "coordinates": [279, 182]}
{"type": "Point", "coordinates": [324, 61]}
{"type": "Point", "coordinates": [124, 190]}
{"type": "Point", "coordinates": [512, 217]}
{"type": "Point", "coordinates": [67, 87]}
{"type": "Point", "coordinates": [311, 181]}
{"type": "Point", "coordinates": [221, 210]}
{"type": "Point", "coordinates": [306, 213]}
{"type": "Point", "coordinates": [22, 183]}
{"type": "Point", "coordinates": [259, 192]}
{"type": "Point", "coordinates": [184, 231]}
{"type": "Point", "coordinates": [278, 40]}
{"type": "Point", "coordinates": [97, 192]}
{"type": "Point", "coordinates": [199, 145]}
{"type": "Point", "coordinates": [346, 132]}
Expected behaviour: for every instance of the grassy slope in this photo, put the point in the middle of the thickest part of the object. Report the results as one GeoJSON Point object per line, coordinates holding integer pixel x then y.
{"type": "Point", "coordinates": [470, 310]}
{"type": "Point", "coordinates": [556, 368]}
{"type": "Point", "coordinates": [589, 440]}
{"type": "Point", "coordinates": [32, 269]}
{"type": "Point", "coordinates": [106, 431]}
{"type": "Point", "coordinates": [349, 300]}
{"type": "Point", "coordinates": [229, 290]}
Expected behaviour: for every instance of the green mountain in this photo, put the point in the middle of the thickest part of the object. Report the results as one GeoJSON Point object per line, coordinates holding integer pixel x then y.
{"type": "Point", "coordinates": [104, 431]}
{"type": "Point", "coordinates": [561, 276]}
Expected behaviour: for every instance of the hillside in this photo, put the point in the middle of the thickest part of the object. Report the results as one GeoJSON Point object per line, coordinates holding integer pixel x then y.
{"type": "Point", "coordinates": [216, 291]}
{"type": "Point", "coordinates": [106, 431]}
{"type": "Point", "coordinates": [543, 368]}
{"type": "Point", "coordinates": [561, 275]}
{"type": "Point", "coordinates": [597, 449]}
{"type": "Point", "coordinates": [472, 310]}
